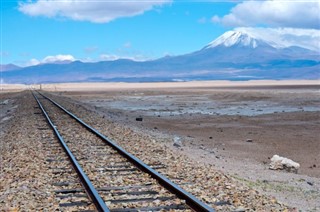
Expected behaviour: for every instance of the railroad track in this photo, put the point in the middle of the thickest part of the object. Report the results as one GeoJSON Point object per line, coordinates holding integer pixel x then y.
{"type": "Point", "coordinates": [111, 179]}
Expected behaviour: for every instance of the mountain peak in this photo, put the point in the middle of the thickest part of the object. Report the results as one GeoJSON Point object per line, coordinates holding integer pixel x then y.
{"type": "Point", "coordinates": [232, 38]}
{"type": "Point", "coordinates": [8, 67]}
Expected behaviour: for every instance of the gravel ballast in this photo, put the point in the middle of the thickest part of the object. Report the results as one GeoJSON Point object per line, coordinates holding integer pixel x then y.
{"type": "Point", "coordinates": [26, 175]}
{"type": "Point", "coordinates": [213, 187]}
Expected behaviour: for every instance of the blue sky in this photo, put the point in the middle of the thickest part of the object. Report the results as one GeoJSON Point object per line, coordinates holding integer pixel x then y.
{"type": "Point", "coordinates": [39, 31]}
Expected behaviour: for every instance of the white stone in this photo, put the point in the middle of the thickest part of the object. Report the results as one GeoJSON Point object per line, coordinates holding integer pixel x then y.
{"type": "Point", "coordinates": [278, 162]}
{"type": "Point", "coordinates": [4, 102]}
{"type": "Point", "coordinates": [177, 142]}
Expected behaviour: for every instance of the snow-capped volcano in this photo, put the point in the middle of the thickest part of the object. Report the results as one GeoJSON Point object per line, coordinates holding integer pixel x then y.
{"type": "Point", "coordinates": [241, 39]}
{"type": "Point", "coordinates": [235, 55]}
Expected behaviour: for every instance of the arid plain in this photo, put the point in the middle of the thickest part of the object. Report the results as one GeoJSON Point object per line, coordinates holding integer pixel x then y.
{"type": "Point", "coordinates": [234, 126]}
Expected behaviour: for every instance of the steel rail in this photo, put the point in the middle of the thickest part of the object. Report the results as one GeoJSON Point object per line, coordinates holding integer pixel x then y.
{"type": "Point", "coordinates": [191, 201]}
{"type": "Point", "coordinates": [89, 188]}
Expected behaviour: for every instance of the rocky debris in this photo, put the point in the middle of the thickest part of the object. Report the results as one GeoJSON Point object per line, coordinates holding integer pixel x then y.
{"type": "Point", "coordinates": [310, 183]}
{"type": "Point", "coordinates": [30, 173]}
{"type": "Point", "coordinates": [313, 166]}
{"type": "Point", "coordinates": [249, 140]}
{"type": "Point", "coordinates": [139, 119]}
{"type": "Point", "coordinates": [4, 102]}
{"type": "Point", "coordinates": [241, 209]}
{"type": "Point", "coordinates": [177, 141]}
{"type": "Point", "coordinates": [25, 183]}
{"type": "Point", "coordinates": [282, 163]}
{"type": "Point", "coordinates": [5, 119]}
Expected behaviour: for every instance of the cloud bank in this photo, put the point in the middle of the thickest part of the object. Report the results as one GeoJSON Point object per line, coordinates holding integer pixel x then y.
{"type": "Point", "coordinates": [305, 38]}
{"type": "Point", "coordinates": [60, 58]}
{"type": "Point", "coordinates": [93, 11]}
{"type": "Point", "coordinates": [273, 13]}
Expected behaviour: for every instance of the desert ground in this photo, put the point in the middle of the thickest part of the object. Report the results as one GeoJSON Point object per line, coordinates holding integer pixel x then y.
{"type": "Point", "coordinates": [234, 126]}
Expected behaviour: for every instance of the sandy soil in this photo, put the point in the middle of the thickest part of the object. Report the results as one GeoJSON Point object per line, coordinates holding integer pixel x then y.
{"type": "Point", "coordinates": [214, 120]}
{"type": "Point", "coordinates": [214, 124]}
{"type": "Point", "coordinates": [283, 122]}
{"type": "Point", "coordinates": [28, 179]}
{"type": "Point", "coordinates": [161, 85]}
{"type": "Point", "coordinates": [5, 88]}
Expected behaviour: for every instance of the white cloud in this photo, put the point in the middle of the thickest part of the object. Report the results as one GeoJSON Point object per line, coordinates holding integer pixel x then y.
{"type": "Point", "coordinates": [58, 58]}
{"type": "Point", "coordinates": [306, 38]}
{"type": "Point", "coordinates": [32, 62]}
{"type": "Point", "coordinates": [49, 59]}
{"type": "Point", "coordinates": [216, 19]}
{"type": "Point", "coordinates": [274, 13]}
{"type": "Point", "coordinates": [85, 10]}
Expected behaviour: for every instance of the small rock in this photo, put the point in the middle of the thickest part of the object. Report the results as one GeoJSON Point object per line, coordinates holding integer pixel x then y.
{"type": "Point", "coordinates": [6, 118]}
{"type": "Point", "coordinates": [139, 119]}
{"type": "Point", "coordinates": [310, 183]}
{"type": "Point", "coordinates": [283, 163]}
{"type": "Point", "coordinates": [177, 142]}
{"type": "Point", "coordinates": [240, 210]}
{"type": "Point", "coordinates": [249, 140]}
{"type": "Point", "coordinates": [4, 102]}
{"type": "Point", "coordinates": [210, 137]}
{"type": "Point", "coordinates": [220, 203]}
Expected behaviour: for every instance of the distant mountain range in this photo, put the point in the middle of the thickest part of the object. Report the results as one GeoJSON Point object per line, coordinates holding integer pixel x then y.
{"type": "Point", "coordinates": [9, 67]}
{"type": "Point", "coordinates": [233, 56]}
